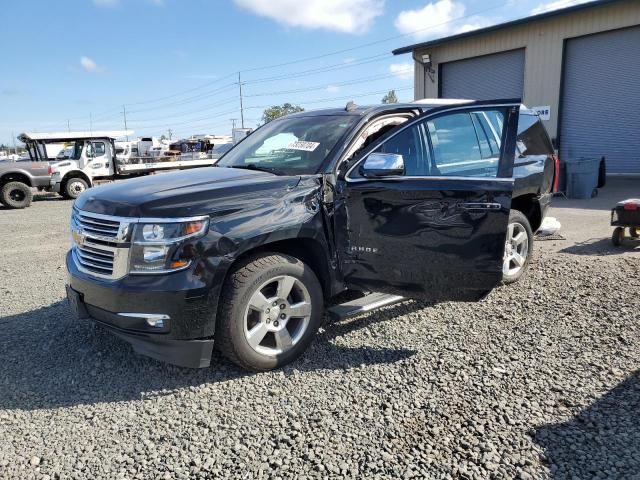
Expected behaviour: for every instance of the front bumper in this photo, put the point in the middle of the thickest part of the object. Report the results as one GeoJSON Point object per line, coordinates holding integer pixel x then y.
{"type": "Point", "coordinates": [54, 186]}
{"type": "Point", "coordinates": [185, 337]}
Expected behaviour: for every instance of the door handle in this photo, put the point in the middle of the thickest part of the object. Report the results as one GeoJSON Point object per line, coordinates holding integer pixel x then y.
{"type": "Point", "coordinates": [481, 206]}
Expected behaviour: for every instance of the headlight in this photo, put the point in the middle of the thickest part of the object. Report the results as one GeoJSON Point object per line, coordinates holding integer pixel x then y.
{"type": "Point", "coordinates": [157, 247]}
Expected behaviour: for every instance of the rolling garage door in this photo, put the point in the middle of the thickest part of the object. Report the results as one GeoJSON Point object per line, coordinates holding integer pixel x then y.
{"type": "Point", "coordinates": [489, 77]}
{"type": "Point", "coordinates": [600, 113]}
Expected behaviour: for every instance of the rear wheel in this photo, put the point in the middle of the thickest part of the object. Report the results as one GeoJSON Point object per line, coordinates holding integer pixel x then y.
{"type": "Point", "coordinates": [74, 187]}
{"type": "Point", "coordinates": [16, 195]}
{"type": "Point", "coordinates": [518, 247]}
{"type": "Point", "coordinates": [271, 308]}
{"type": "Point", "coordinates": [618, 236]}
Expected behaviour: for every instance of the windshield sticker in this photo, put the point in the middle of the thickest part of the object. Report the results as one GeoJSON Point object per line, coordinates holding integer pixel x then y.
{"type": "Point", "coordinates": [304, 146]}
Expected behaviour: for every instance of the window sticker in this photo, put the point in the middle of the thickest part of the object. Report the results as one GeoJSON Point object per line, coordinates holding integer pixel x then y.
{"type": "Point", "coordinates": [304, 146]}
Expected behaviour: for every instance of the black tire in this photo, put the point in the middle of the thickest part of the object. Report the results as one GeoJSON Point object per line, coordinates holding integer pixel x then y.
{"type": "Point", "coordinates": [16, 195]}
{"type": "Point", "coordinates": [74, 187]}
{"type": "Point", "coordinates": [517, 218]}
{"type": "Point", "coordinates": [634, 232]}
{"type": "Point", "coordinates": [617, 237]}
{"type": "Point", "coordinates": [242, 283]}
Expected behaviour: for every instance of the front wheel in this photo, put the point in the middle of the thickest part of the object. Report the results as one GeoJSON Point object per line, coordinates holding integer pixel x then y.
{"type": "Point", "coordinates": [271, 308]}
{"type": "Point", "coordinates": [74, 187]}
{"type": "Point", "coordinates": [518, 247]}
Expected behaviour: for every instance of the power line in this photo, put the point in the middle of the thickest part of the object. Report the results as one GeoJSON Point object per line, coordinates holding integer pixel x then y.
{"type": "Point", "coordinates": [377, 42]}
{"type": "Point", "coordinates": [190, 112]}
{"type": "Point", "coordinates": [339, 84]}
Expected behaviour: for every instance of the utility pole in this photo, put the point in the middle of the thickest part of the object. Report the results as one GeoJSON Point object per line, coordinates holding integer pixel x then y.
{"type": "Point", "coordinates": [124, 112]}
{"type": "Point", "coordinates": [15, 149]}
{"type": "Point", "coordinates": [170, 132]}
{"type": "Point", "coordinates": [241, 107]}
{"type": "Point", "coordinates": [90, 124]}
{"type": "Point", "coordinates": [68, 126]}
{"type": "Point", "coordinates": [233, 122]}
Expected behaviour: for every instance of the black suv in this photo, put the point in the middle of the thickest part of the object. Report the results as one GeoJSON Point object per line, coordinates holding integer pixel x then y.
{"type": "Point", "coordinates": [405, 200]}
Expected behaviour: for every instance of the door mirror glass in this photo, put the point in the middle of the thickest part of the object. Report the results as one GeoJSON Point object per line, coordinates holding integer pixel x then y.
{"type": "Point", "coordinates": [382, 165]}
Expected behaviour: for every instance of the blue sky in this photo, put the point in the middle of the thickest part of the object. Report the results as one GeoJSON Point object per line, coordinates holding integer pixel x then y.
{"type": "Point", "coordinates": [173, 62]}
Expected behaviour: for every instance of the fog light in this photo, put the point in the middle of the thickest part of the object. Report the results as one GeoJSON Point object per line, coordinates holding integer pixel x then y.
{"type": "Point", "coordinates": [155, 320]}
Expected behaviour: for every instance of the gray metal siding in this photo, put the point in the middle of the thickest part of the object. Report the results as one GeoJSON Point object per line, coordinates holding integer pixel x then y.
{"type": "Point", "coordinates": [601, 99]}
{"type": "Point", "coordinates": [500, 75]}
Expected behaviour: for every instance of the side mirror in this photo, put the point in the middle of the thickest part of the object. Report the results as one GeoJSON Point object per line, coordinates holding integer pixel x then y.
{"type": "Point", "coordinates": [382, 165]}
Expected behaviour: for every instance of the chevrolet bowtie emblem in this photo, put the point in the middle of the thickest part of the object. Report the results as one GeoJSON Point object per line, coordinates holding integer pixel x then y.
{"type": "Point", "coordinates": [78, 237]}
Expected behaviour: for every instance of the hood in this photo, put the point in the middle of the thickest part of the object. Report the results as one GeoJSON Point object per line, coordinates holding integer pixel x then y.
{"type": "Point", "coordinates": [199, 191]}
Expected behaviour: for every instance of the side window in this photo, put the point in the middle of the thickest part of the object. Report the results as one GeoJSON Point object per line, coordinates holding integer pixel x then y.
{"type": "Point", "coordinates": [465, 144]}
{"type": "Point", "coordinates": [488, 137]}
{"type": "Point", "coordinates": [98, 149]}
{"type": "Point", "coordinates": [408, 143]}
{"type": "Point", "coordinates": [532, 136]}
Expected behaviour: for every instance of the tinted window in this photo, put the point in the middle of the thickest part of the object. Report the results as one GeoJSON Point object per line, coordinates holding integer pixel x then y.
{"type": "Point", "coordinates": [463, 144]}
{"type": "Point", "coordinates": [532, 137]}
{"type": "Point", "coordinates": [409, 144]}
{"type": "Point", "coordinates": [487, 135]}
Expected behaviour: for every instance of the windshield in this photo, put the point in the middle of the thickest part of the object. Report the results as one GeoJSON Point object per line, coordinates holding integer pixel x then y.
{"type": "Point", "coordinates": [292, 146]}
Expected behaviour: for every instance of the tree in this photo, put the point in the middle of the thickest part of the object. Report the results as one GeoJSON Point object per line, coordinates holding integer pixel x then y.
{"type": "Point", "coordinates": [277, 111]}
{"type": "Point", "coordinates": [390, 97]}
{"type": "Point", "coordinates": [163, 137]}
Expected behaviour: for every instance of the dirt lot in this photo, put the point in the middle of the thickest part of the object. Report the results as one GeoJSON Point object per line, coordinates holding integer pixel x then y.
{"type": "Point", "coordinates": [539, 380]}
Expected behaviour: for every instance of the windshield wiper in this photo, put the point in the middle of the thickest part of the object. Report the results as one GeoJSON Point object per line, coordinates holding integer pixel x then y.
{"type": "Point", "coordinates": [260, 168]}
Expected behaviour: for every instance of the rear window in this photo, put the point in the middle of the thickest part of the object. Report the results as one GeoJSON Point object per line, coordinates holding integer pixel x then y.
{"type": "Point", "coordinates": [532, 137]}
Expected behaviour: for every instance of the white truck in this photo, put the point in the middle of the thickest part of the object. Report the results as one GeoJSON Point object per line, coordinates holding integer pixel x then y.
{"type": "Point", "coordinates": [95, 160]}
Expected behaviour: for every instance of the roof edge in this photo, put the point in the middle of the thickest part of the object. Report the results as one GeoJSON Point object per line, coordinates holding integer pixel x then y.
{"type": "Point", "coordinates": [499, 26]}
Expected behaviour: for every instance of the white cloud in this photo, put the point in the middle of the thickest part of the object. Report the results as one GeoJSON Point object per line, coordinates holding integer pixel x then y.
{"type": "Point", "coordinates": [403, 71]}
{"type": "Point", "coordinates": [105, 3]}
{"type": "Point", "coordinates": [473, 23]}
{"type": "Point", "coordinates": [89, 65]}
{"type": "Point", "coordinates": [434, 19]}
{"type": "Point", "coordinates": [354, 16]}
{"type": "Point", "coordinates": [333, 89]}
{"type": "Point", "coordinates": [555, 5]}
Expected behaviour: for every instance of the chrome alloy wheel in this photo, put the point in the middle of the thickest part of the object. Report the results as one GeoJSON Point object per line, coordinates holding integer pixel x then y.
{"type": "Point", "coordinates": [516, 249]}
{"type": "Point", "coordinates": [277, 316]}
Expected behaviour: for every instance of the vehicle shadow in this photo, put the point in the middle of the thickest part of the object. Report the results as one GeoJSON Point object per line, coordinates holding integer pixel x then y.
{"type": "Point", "coordinates": [601, 247]}
{"type": "Point", "coordinates": [50, 360]}
{"type": "Point", "coordinates": [604, 435]}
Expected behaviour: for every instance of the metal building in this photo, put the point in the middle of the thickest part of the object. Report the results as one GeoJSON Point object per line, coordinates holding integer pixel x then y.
{"type": "Point", "coordinates": [580, 66]}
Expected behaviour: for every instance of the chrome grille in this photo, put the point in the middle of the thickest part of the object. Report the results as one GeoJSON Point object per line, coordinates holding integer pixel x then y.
{"type": "Point", "coordinates": [96, 225]}
{"type": "Point", "coordinates": [96, 258]}
{"type": "Point", "coordinates": [100, 245]}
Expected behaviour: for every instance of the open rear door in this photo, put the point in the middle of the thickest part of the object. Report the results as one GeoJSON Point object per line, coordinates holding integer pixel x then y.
{"type": "Point", "coordinates": [436, 228]}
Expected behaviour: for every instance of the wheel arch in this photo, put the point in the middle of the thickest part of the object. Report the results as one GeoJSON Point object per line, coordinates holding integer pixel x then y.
{"type": "Point", "coordinates": [15, 177]}
{"type": "Point", "coordinates": [309, 250]}
{"type": "Point", "coordinates": [74, 174]}
{"type": "Point", "coordinates": [528, 204]}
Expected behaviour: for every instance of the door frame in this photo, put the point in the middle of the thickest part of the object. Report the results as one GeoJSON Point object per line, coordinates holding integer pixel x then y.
{"type": "Point", "coordinates": [507, 141]}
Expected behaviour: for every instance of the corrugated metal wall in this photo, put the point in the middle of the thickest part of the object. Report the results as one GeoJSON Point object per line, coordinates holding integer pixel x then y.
{"type": "Point", "coordinates": [500, 75]}
{"type": "Point", "coordinates": [543, 41]}
{"type": "Point", "coordinates": [600, 114]}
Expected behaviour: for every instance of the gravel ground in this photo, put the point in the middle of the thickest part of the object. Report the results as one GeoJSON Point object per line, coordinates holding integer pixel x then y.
{"type": "Point", "coordinates": [539, 380]}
